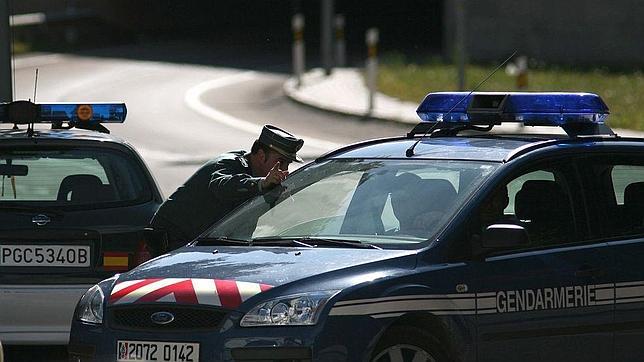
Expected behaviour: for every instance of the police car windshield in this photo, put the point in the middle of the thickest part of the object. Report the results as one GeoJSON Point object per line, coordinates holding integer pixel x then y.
{"type": "Point", "coordinates": [61, 177]}
{"type": "Point", "coordinates": [382, 202]}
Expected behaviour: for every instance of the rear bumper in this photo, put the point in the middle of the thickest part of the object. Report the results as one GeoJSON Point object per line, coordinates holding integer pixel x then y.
{"type": "Point", "coordinates": [37, 314]}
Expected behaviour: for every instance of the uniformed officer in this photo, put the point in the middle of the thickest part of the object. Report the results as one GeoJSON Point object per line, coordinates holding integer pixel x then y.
{"type": "Point", "coordinates": [224, 183]}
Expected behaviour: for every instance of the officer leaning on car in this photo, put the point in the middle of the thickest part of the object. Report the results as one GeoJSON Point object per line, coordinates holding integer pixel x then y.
{"type": "Point", "coordinates": [224, 183]}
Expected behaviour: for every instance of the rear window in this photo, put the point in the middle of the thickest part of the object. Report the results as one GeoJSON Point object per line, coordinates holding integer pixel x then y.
{"type": "Point", "coordinates": [88, 176]}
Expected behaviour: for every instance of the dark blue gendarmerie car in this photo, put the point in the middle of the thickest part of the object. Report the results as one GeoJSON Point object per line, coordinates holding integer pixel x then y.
{"type": "Point", "coordinates": [73, 206]}
{"type": "Point", "coordinates": [449, 244]}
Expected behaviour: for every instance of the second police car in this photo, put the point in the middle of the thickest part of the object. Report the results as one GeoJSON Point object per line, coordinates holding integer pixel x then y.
{"type": "Point", "coordinates": [74, 202]}
{"type": "Point", "coordinates": [449, 244]}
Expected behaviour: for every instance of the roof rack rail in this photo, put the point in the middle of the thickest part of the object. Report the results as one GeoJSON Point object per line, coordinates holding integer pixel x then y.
{"type": "Point", "coordinates": [451, 129]}
{"type": "Point", "coordinates": [443, 129]}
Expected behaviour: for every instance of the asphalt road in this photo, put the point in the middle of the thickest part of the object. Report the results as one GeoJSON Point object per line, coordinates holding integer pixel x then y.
{"type": "Point", "coordinates": [185, 106]}
{"type": "Point", "coordinates": [179, 115]}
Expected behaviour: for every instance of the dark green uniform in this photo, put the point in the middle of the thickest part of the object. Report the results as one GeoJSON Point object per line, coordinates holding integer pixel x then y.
{"type": "Point", "coordinates": [217, 188]}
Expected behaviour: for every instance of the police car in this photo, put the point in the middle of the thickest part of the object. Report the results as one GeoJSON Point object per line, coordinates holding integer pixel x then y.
{"type": "Point", "coordinates": [451, 243]}
{"type": "Point", "coordinates": [73, 204]}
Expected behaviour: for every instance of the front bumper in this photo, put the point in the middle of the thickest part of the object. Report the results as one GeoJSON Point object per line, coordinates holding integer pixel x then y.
{"type": "Point", "coordinates": [328, 341]}
{"type": "Point", "coordinates": [37, 314]}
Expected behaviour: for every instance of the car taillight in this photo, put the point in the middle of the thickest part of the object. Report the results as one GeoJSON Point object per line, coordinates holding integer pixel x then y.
{"type": "Point", "coordinates": [142, 254]}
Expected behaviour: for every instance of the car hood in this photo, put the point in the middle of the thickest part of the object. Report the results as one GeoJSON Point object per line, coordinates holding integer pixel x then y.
{"type": "Point", "coordinates": [227, 276]}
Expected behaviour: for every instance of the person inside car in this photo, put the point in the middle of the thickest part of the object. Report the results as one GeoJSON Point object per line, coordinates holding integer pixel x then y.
{"type": "Point", "coordinates": [418, 203]}
{"type": "Point", "coordinates": [492, 210]}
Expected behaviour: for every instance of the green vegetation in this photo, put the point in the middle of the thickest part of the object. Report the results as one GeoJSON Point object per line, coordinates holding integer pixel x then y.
{"type": "Point", "coordinates": [623, 91]}
{"type": "Point", "coordinates": [20, 47]}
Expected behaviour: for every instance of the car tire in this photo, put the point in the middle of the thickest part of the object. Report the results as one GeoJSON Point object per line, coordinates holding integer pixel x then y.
{"type": "Point", "coordinates": [407, 344]}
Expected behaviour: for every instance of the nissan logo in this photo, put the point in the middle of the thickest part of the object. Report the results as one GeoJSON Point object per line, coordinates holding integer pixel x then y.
{"type": "Point", "coordinates": [162, 318]}
{"type": "Point", "coordinates": [41, 219]}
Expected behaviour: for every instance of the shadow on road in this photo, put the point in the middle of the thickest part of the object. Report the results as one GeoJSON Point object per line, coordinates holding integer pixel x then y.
{"type": "Point", "coordinates": [264, 57]}
{"type": "Point", "coordinates": [35, 353]}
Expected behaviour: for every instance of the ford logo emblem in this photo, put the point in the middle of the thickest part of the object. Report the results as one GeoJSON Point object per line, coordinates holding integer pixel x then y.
{"type": "Point", "coordinates": [41, 219]}
{"type": "Point", "coordinates": [162, 318]}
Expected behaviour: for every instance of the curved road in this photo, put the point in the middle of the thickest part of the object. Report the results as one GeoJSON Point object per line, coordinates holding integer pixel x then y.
{"type": "Point", "coordinates": [181, 114]}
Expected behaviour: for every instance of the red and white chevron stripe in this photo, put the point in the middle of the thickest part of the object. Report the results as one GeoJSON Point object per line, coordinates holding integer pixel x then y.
{"type": "Point", "coordinates": [224, 293]}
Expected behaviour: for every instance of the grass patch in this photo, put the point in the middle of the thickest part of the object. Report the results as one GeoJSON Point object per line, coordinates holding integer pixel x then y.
{"type": "Point", "coordinates": [623, 91]}
{"type": "Point", "coordinates": [20, 47]}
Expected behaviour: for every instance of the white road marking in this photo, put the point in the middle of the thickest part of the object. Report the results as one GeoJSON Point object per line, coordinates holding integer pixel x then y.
{"type": "Point", "coordinates": [193, 100]}
{"type": "Point", "coordinates": [171, 157]}
{"type": "Point", "coordinates": [34, 61]}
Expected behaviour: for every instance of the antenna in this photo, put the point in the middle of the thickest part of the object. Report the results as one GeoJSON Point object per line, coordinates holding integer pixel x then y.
{"type": "Point", "coordinates": [410, 150]}
{"type": "Point", "coordinates": [35, 85]}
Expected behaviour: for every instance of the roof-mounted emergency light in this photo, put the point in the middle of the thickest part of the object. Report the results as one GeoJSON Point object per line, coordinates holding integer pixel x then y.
{"type": "Point", "coordinates": [531, 109]}
{"type": "Point", "coordinates": [79, 115]}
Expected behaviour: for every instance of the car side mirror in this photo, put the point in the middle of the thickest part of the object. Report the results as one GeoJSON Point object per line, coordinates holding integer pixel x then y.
{"type": "Point", "coordinates": [504, 236]}
{"type": "Point", "coordinates": [156, 239]}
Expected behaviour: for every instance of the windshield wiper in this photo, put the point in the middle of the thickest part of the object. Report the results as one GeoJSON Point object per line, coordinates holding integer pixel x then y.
{"type": "Point", "coordinates": [352, 243]}
{"type": "Point", "coordinates": [279, 240]}
{"type": "Point", "coordinates": [219, 240]}
{"type": "Point", "coordinates": [312, 242]}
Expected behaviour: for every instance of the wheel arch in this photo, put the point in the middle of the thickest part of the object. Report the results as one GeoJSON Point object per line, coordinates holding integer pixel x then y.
{"type": "Point", "coordinates": [447, 332]}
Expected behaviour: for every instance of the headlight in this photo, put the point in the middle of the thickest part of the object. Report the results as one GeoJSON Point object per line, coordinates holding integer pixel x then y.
{"type": "Point", "coordinates": [293, 310]}
{"type": "Point", "coordinates": [90, 307]}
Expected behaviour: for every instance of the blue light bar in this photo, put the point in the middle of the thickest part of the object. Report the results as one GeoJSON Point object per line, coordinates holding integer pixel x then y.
{"type": "Point", "coordinates": [532, 109]}
{"type": "Point", "coordinates": [88, 114]}
{"type": "Point", "coordinates": [82, 115]}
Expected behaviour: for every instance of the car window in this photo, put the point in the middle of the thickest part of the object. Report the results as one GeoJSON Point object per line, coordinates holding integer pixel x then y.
{"type": "Point", "coordinates": [624, 176]}
{"type": "Point", "coordinates": [538, 200]}
{"type": "Point", "coordinates": [69, 177]}
{"type": "Point", "coordinates": [317, 207]}
{"type": "Point", "coordinates": [616, 187]}
{"type": "Point", "coordinates": [378, 201]}
{"type": "Point", "coordinates": [515, 186]}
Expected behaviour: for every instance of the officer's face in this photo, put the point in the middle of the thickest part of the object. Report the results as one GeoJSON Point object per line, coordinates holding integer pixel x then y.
{"type": "Point", "coordinates": [271, 158]}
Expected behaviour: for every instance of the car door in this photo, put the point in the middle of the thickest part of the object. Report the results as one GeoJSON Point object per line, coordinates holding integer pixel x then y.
{"type": "Point", "coordinates": [550, 300]}
{"type": "Point", "coordinates": [615, 184]}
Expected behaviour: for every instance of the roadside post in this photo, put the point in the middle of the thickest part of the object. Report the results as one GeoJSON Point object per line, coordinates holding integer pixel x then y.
{"type": "Point", "coordinates": [326, 35]}
{"type": "Point", "coordinates": [340, 47]}
{"type": "Point", "coordinates": [297, 24]}
{"type": "Point", "coordinates": [6, 93]}
{"type": "Point", "coordinates": [372, 66]}
{"type": "Point", "coordinates": [460, 43]}
{"type": "Point", "coordinates": [71, 30]}
{"type": "Point", "coordinates": [519, 70]}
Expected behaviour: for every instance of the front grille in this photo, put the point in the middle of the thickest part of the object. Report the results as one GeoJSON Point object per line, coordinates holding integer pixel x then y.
{"type": "Point", "coordinates": [137, 317]}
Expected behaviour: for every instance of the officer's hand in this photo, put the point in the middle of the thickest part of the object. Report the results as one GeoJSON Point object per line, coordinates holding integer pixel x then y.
{"type": "Point", "coordinates": [275, 177]}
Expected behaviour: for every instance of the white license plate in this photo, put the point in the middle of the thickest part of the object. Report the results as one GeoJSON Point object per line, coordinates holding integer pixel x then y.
{"type": "Point", "coordinates": [146, 351]}
{"type": "Point", "coordinates": [45, 255]}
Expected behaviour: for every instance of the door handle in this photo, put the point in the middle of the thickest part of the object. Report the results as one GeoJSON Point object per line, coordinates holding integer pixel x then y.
{"type": "Point", "coordinates": [589, 271]}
